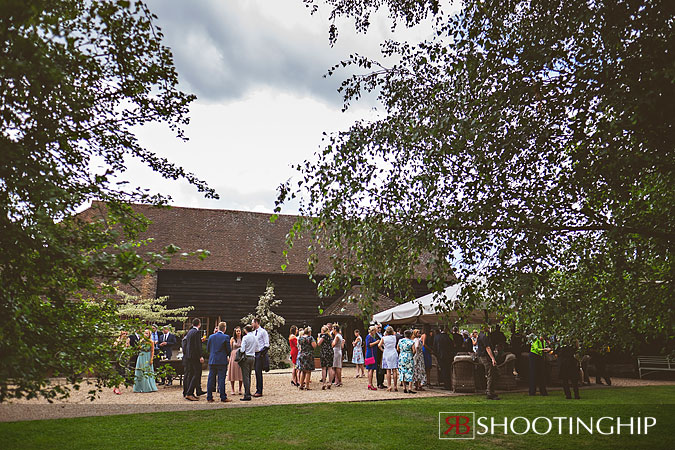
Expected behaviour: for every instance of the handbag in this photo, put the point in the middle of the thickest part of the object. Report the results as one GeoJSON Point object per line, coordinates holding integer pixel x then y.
{"type": "Point", "coordinates": [370, 361]}
{"type": "Point", "coordinates": [239, 357]}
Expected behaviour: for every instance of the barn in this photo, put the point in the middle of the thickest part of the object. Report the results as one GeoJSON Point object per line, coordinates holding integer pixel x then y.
{"type": "Point", "coordinates": [246, 253]}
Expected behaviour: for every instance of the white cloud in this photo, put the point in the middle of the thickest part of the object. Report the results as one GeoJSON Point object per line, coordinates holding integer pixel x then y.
{"type": "Point", "coordinates": [256, 67]}
{"type": "Point", "coordinates": [244, 149]}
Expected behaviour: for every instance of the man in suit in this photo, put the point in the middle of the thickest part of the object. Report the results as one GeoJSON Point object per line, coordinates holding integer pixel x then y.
{"type": "Point", "coordinates": [457, 339]}
{"type": "Point", "coordinates": [249, 347]}
{"type": "Point", "coordinates": [261, 355]}
{"type": "Point", "coordinates": [443, 348]}
{"type": "Point", "coordinates": [497, 337]}
{"type": "Point", "coordinates": [166, 341]}
{"type": "Point", "coordinates": [134, 339]}
{"type": "Point", "coordinates": [192, 354]}
{"type": "Point", "coordinates": [380, 372]}
{"type": "Point", "coordinates": [219, 350]}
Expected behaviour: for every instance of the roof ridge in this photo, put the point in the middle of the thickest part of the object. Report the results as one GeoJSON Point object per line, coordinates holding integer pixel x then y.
{"type": "Point", "coordinates": [198, 208]}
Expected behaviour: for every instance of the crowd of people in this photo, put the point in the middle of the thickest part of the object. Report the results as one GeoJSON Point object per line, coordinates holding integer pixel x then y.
{"type": "Point", "coordinates": [404, 357]}
{"type": "Point", "coordinates": [239, 356]}
{"type": "Point", "coordinates": [383, 353]}
{"type": "Point", "coordinates": [401, 357]}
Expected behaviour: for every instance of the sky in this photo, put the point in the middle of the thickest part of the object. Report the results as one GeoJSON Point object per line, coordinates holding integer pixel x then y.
{"type": "Point", "coordinates": [256, 67]}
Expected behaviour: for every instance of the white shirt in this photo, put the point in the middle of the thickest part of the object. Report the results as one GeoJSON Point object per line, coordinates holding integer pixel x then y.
{"type": "Point", "coordinates": [263, 338]}
{"type": "Point", "coordinates": [249, 344]}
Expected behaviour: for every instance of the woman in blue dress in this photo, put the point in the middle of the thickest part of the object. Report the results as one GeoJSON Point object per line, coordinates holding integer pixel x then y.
{"type": "Point", "coordinates": [406, 348]}
{"type": "Point", "coordinates": [145, 374]}
{"type": "Point", "coordinates": [372, 342]}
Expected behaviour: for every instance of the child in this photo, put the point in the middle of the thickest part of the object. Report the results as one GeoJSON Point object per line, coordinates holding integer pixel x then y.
{"type": "Point", "coordinates": [357, 356]}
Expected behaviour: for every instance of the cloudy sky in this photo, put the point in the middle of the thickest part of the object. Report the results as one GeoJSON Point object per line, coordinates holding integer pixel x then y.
{"type": "Point", "coordinates": [257, 69]}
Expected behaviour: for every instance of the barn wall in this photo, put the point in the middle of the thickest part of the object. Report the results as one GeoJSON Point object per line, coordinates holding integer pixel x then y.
{"type": "Point", "coordinates": [219, 294]}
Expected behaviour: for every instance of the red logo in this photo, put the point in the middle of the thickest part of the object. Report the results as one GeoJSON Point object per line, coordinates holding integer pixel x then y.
{"type": "Point", "coordinates": [456, 425]}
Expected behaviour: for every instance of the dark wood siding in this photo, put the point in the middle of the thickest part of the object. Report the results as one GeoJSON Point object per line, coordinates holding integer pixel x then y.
{"type": "Point", "coordinates": [219, 294]}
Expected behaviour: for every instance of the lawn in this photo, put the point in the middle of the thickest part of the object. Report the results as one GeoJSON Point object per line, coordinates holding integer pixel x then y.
{"type": "Point", "coordinates": [412, 423]}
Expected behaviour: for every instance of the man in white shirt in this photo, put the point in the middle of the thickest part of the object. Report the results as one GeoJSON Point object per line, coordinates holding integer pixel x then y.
{"type": "Point", "coordinates": [249, 346]}
{"type": "Point", "coordinates": [260, 355]}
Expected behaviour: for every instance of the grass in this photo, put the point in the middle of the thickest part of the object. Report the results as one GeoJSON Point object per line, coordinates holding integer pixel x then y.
{"type": "Point", "coordinates": [385, 424]}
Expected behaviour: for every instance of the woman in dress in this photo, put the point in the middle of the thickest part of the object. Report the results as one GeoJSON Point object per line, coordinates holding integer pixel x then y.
{"type": "Point", "coordinates": [293, 342]}
{"type": "Point", "coordinates": [390, 357]}
{"type": "Point", "coordinates": [406, 348]}
{"type": "Point", "coordinates": [145, 374]}
{"type": "Point", "coordinates": [325, 356]}
{"type": "Point", "coordinates": [474, 341]}
{"type": "Point", "coordinates": [306, 358]}
{"type": "Point", "coordinates": [234, 369]}
{"type": "Point", "coordinates": [372, 342]}
{"type": "Point", "coordinates": [427, 345]}
{"type": "Point", "coordinates": [419, 371]}
{"type": "Point", "coordinates": [357, 355]}
{"type": "Point", "coordinates": [337, 344]}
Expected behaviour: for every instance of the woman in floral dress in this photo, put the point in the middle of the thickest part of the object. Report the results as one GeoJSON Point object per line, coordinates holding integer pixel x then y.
{"type": "Point", "coordinates": [326, 355]}
{"type": "Point", "coordinates": [357, 356]}
{"type": "Point", "coordinates": [406, 348]}
{"type": "Point", "coordinates": [306, 358]}
{"type": "Point", "coordinates": [419, 371]}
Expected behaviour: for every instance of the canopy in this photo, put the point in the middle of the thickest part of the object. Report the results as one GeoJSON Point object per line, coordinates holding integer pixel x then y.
{"type": "Point", "coordinates": [430, 308]}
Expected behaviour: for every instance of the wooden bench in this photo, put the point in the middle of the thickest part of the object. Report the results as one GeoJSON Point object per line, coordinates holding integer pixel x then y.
{"type": "Point", "coordinates": [653, 364]}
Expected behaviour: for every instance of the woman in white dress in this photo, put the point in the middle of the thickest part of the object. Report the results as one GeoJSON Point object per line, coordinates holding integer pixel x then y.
{"type": "Point", "coordinates": [390, 357]}
{"type": "Point", "coordinates": [338, 343]}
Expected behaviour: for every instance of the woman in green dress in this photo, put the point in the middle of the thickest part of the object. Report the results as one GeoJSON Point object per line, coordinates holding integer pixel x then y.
{"type": "Point", "coordinates": [145, 374]}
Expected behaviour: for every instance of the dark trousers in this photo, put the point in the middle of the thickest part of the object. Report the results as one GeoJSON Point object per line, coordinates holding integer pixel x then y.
{"type": "Point", "coordinates": [565, 381]}
{"type": "Point", "coordinates": [259, 361]}
{"type": "Point", "coordinates": [379, 374]}
{"type": "Point", "coordinates": [219, 371]}
{"type": "Point", "coordinates": [444, 372]}
{"type": "Point", "coordinates": [193, 374]}
{"type": "Point", "coordinates": [246, 365]}
{"type": "Point", "coordinates": [186, 380]}
{"type": "Point", "coordinates": [601, 371]}
{"type": "Point", "coordinates": [537, 376]}
{"type": "Point", "coordinates": [584, 367]}
{"type": "Point", "coordinates": [491, 374]}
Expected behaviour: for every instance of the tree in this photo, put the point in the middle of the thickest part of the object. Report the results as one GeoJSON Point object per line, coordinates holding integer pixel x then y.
{"type": "Point", "coordinates": [77, 77]}
{"type": "Point", "coordinates": [528, 144]}
{"type": "Point", "coordinates": [149, 310]}
{"type": "Point", "coordinates": [271, 321]}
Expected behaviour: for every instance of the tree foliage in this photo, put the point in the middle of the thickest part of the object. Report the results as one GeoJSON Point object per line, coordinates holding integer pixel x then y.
{"type": "Point", "coordinates": [271, 321]}
{"type": "Point", "coordinates": [149, 310]}
{"type": "Point", "coordinates": [527, 143]}
{"type": "Point", "coordinates": [77, 77]}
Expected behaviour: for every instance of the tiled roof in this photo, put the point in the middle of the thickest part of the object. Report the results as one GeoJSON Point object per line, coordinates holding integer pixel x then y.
{"type": "Point", "coordinates": [348, 304]}
{"type": "Point", "coordinates": [239, 241]}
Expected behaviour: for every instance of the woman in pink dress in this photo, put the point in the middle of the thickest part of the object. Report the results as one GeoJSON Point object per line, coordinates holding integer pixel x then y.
{"type": "Point", "coordinates": [234, 369]}
{"type": "Point", "coordinates": [293, 342]}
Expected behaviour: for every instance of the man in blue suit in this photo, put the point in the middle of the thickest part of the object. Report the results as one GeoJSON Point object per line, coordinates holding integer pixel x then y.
{"type": "Point", "coordinates": [219, 350]}
{"type": "Point", "coordinates": [166, 341]}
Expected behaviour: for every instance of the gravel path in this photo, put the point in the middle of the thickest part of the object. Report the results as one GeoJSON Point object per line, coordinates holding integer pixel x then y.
{"type": "Point", "coordinates": [278, 390]}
